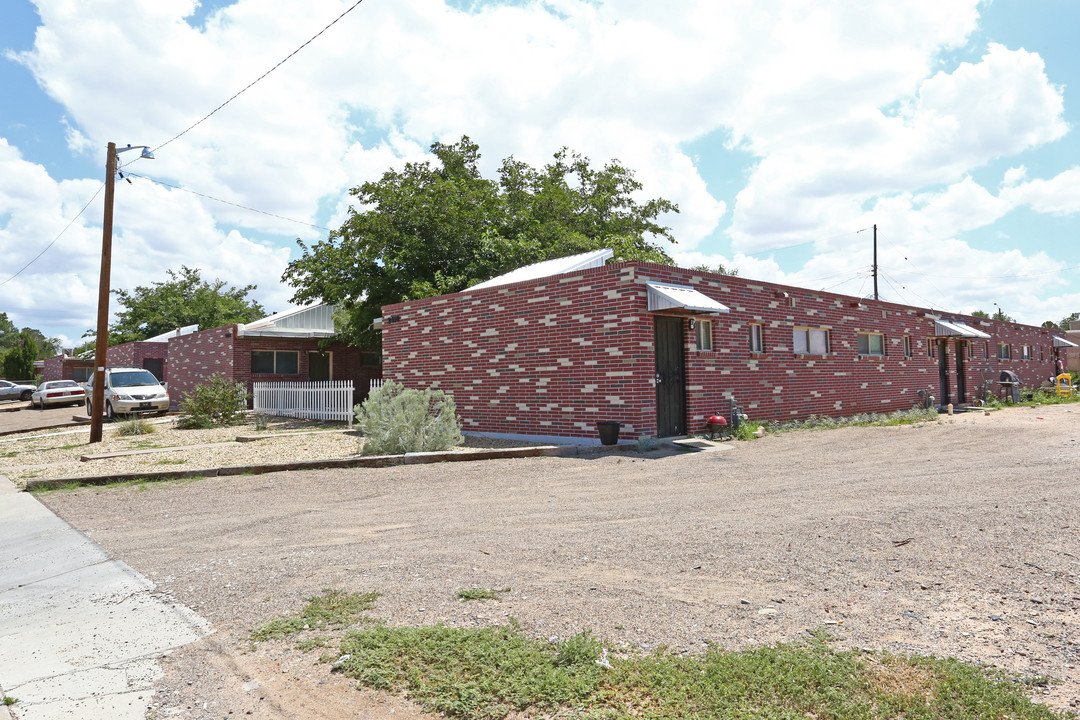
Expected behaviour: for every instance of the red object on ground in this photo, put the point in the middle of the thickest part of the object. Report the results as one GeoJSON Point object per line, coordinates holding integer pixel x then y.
{"type": "Point", "coordinates": [716, 420]}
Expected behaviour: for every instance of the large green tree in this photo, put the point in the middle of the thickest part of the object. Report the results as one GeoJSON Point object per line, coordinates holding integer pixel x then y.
{"type": "Point", "coordinates": [11, 336]}
{"type": "Point", "coordinates": [17, 362]}
{"type": "Point", "coordinates": [184, 299]}
{"type": "Point", "coordinates": [439, 226]}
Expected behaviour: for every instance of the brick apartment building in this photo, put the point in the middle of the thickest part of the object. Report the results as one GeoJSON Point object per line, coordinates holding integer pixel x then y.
{"type": "Point", "coordinates": [550, 350]}
{"type": "Point", "coordinates": [280, 347]}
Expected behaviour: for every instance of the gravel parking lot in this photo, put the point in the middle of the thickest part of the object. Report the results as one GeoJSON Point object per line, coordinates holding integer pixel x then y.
{"type": "Point", "coordinates": [951, 538]}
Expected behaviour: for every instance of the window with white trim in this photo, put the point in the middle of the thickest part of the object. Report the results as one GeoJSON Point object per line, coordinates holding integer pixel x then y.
{"type": "Point", "coordinates": [703, 334]}
{"type": "Point", "coordinates": [871, 343]}
{"type": "Point", "coordinates": [810, 341]}
{"type": "Point", "coordinates": [756, 342]}
{"type": "Point", "coordinates": [275, 362]}
{"type": "Point", "coordinates": [1026, 352]}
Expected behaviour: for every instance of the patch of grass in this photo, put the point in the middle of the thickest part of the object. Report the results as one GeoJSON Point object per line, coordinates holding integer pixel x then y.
{"type": "Point", "coordinates": [488, 673]}
{"type": "Point", "coordinates": [332, 609]}
{"type": "Point", "coordinates": [824, 422]}
{"type": "Point", "coordinates": [134, 426]}
{"type": "Point", "coordinates": [481, 593]}
{"type": "Point", "coordinates": [312, 643]}
{"type": "Point", "coordinates": [8, 700]}
{"type": "Point", "coordinates": [170, 462]}
{"type": "Point", "coordinates": [66, 487]}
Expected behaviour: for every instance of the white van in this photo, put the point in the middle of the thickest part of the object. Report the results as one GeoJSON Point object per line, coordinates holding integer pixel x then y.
{"type": "Point", "coordinates": [129, 391]}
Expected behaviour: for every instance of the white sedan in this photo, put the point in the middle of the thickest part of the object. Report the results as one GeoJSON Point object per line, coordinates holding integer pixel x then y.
{"type": "Point", "coordinates": [58, 392]}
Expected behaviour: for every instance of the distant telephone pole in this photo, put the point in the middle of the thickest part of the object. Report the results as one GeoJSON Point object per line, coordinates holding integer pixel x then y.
{"type": "Point", "coordinates": [875, 262]}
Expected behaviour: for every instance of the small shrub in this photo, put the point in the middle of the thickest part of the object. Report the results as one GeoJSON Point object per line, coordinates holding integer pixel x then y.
{"type": "Point", "coordinates": [261, 421]}
{"type": "Point", "coordinates": [216, 403]}
{"type": "Point", "coordinates": [647, 444]}
{"type": "Point", "coordinates": [134, 426]}
{"type": "Point", "coordinates": [396, 420]}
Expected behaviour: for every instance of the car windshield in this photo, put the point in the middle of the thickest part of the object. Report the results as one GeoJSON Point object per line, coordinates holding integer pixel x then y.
{"type": "Point", "coordinates": [132, 378]}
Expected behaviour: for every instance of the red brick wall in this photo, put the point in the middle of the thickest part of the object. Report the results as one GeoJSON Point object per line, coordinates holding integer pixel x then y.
{"type": "Point", "coordinates": [193, 358]}
{"type": "Point", "coordinates": [132, 354]}
{"type": "Point", "coordinates": [56, 368]}
{"type": "Point", "coordinates": [553, 356]}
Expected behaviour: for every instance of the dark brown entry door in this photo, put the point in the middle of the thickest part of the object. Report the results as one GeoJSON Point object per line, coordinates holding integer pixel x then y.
{"type": "Point", "coordinates": [943, 370]}
{"type": "Point", "coordinates": [961, 386]}
{"type": "Point", "coordinates": [670, 377]}
{"type": "Point", "coordinates": [156, 366]}
{"type": "Point", "coordinates": [318, 366]}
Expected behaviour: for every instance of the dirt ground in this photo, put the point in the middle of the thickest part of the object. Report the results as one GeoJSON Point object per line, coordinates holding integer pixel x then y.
{"type": "Point", "coordinates": [952, 538]}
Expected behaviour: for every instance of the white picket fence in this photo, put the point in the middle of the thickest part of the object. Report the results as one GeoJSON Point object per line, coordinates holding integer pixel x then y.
{"type": "Point", "coordinates": [326, 400]}
{"type": "Point", "coordinates": [374, 384]}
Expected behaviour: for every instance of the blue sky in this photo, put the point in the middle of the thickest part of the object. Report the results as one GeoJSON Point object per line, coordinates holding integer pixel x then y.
{"type": "Point", "coordinates": [784, 130]}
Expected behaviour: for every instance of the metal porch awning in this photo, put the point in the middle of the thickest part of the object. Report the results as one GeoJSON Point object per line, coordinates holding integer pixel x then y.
{"type": "Point", "coordinates": [955, 328]}
{"type": "Point", "coordinates": [663, 296]}
{"type": "Point", "coordinates": [1062, 342]}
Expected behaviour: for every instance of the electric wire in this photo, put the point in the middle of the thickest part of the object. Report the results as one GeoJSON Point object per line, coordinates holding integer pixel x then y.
{"type": "Point", "coordinates": [256, 80]}
{"type": "Point", "coordinates": [55, 239]}
{"type": "Point", "coordinates": [929, 303]}
{"type": "Point", "coordinates": [227, 202]}
{"type": "Point", "coordinates": [920, 272]}
{"type": "Point", "coordinates": [184, 132]}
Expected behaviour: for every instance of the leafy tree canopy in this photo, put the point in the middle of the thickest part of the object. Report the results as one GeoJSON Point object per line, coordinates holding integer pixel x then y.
{"type": "Point", "coordinates": [439, 227]}
{"type": "Point", "coordinates": [999, 314]}
{"type": "Point", "coordinates": [1062, 324]}
{"type": "Point", "coordinates": [17, 362]}
{"type": "Point", "coordinates": [11, 337]}
{"type": "Point", "coordinates": [718, 269]}
{"type": "Point", "coordinates": [184, 299]}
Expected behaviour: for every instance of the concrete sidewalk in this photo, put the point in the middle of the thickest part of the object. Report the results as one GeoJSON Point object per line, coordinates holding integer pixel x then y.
{"type": "Point", "coordinates": [81, 634]}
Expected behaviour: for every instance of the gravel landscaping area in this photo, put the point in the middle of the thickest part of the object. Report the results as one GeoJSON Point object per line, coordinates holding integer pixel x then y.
{"type": "Point", "coordinates": [56, 454]}
{"type": "Point", "coordinates": [956, 538]}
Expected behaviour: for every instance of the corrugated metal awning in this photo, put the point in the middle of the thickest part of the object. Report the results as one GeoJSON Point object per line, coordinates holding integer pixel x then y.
{"type": "Point", "coordinates": [955, 328]}
{"type": "Point", "coordinates": [663, 296]}
{"type": "Point", "coordinates": [1062, 342]}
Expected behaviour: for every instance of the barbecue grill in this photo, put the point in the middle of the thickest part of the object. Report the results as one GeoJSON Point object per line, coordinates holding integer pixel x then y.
{"type": "Point", "coordinates": [1010, 385]}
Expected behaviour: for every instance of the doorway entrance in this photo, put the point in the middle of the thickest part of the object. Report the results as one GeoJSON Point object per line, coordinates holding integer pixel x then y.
{"type": "Point", "coordinates": [943, 371]}
{"type": "Point", "coordinates": [318, 366]}
{"type": "Point", "coordinates": [670, 376]}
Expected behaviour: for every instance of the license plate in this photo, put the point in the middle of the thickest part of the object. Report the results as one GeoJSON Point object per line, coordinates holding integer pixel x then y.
{"type": "Point", "coordinates": [145, 406]}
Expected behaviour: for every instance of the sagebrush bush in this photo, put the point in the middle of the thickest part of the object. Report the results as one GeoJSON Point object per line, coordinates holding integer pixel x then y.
{"type": "Point", "coordinates": [134, 426]}
{"type": "Point", "coordinates": [216, 403]}
{"type": "Point", "coordinates": [395, 420]}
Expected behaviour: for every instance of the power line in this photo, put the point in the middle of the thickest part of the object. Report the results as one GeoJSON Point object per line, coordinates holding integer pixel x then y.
{"type": "Point", "coordinates": [929, 303]}
{"type": "Point", "coordinates": [920, 272]}
{"type": "Point", "coordinates": [72, 222]}
{"type": "Point", "coordinates": [227, 202]}
{"type": "Point", "coordinates": [256, 80]}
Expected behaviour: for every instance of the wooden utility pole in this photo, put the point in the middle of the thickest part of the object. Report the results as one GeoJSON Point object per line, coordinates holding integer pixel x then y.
{"type": "Point", "coordinates": [101, 347]}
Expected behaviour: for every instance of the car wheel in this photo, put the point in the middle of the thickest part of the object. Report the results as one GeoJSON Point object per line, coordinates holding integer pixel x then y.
{"type": "Point", "coordinates": [89, 409]}
{"type": "Point", "coordinates": [109, 415]}
{"type": "Point", "coordinates": [26, 395]}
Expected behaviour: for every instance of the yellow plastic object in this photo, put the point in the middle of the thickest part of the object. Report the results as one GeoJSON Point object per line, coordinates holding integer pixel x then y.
{"type": "Point", "coordinates": [1064, 385]}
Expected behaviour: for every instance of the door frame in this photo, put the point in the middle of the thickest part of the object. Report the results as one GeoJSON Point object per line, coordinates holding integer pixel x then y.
{"type": "Point", "coordinates": [943, 370]}
{"type": "Point", "coordinates": [671, 406]}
